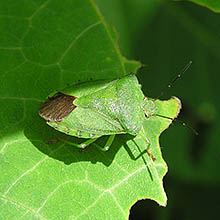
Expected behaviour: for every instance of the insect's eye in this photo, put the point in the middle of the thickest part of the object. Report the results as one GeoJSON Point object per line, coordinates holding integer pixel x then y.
{"type": "Point", "coordinates": [150, 108]}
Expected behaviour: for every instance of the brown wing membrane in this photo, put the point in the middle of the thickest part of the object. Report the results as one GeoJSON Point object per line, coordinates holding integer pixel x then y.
{"type": "Point", "coordinates": [57, 107]}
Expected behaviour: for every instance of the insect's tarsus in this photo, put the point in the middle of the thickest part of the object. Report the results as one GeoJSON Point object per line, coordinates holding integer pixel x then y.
{"type": "Point", "coordinates": [175, 79]}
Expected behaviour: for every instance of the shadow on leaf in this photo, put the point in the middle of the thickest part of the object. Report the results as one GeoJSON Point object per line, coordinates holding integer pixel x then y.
{"type": "Point", "coordinates": [39, 133]}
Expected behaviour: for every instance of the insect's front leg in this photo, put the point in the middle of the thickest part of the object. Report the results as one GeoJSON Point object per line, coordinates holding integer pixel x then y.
{"type": "Point", "coordinates": [141, 133]}
{"type": "Point", "coordinates": [107, 145]}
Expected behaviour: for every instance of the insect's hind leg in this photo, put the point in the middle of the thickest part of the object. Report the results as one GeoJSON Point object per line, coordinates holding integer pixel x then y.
{"type": "Point", "coordinates": [107, 144]}
{"type": "Point", "coordinates": [86, 143]}
{"type": "Point", "coordinates": [141, 133]}
{"type": "Point", "coordinates": [83, 145]}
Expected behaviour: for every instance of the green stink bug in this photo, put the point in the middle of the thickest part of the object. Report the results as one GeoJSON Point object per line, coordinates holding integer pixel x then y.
{"type": "Point", "coordinates": [97, 108]}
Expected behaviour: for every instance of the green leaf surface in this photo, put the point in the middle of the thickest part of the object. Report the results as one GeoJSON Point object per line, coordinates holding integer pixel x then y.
{"type": "Point", "coordinates": [176, 33]}
{"type": "Point", "coordinates": [211, 4]}
{"type": "Point", "coordinates": [46, 45]}
{"type": "Point", "coordinates": [179, 31]}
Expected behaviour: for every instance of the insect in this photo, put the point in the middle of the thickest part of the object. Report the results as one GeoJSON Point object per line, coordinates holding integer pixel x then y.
{"type": "Point", "coordinates": [97, 108]}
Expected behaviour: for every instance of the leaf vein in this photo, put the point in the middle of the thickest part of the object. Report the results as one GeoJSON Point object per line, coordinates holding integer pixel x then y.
{"type": "Point", "coordinates": [77, 38]}
{"type": "Point", "coordinates": [38, 9]}
{"type": "Point", "coordinates": [51, 194]}
{"type": "Point", "coordinates": [19, 204]}
{"type": "Point", "coordinates": [29, 171]}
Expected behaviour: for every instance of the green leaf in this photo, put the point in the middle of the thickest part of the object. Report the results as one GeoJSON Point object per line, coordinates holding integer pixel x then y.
{"type": "Point", "coordinates": [172, 24]}
{"type": "Point", "coordinates": [166, 40]}
{"type": "Point", "coordinates": [46, 45]}
{"type": "Point", "coordinates": [214, 5]}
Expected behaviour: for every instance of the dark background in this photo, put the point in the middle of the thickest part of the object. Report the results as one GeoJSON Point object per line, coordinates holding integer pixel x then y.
{"type": "Point", "coordinates": [164, 37]}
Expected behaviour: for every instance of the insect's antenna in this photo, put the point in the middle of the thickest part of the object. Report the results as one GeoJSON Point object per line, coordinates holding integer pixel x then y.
{"type": "Point", "coordinates": [181, 122]}
{"type": "Point", "coordinates": [175, 79]}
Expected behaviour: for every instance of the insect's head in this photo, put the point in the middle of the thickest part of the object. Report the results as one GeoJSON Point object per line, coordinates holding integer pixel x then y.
{"type": "Point", "coordinates": [150, 107]}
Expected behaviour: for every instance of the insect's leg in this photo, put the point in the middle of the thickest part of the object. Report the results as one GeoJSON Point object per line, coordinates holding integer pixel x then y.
{"type": "Point", "coordinates": [109, 142]}
{"type": "Point", "coordinates": [107, 145]}
{"type": "Point", "coordinates": [82, 145]}
{"type": "Point", "coordinates": [141, 133]}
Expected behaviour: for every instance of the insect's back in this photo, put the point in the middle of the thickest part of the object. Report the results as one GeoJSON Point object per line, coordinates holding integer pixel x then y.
{"type": "Point", "coordinates": [97, 108]}
{"type": "Point", "coordinates": [121, 102]}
